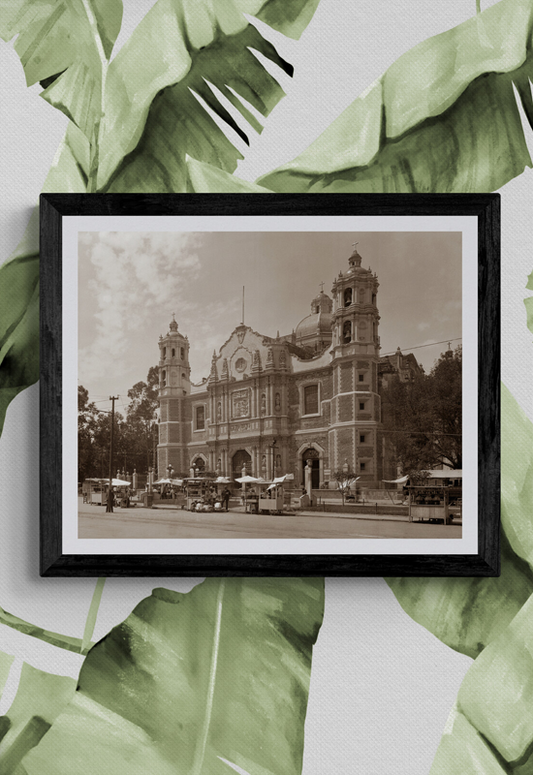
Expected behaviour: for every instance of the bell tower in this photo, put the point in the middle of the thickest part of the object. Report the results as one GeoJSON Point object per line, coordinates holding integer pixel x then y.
{"type": "Point", "coordinates": [355, 434]}
{"type": "Point", "coordinates": [356, 316]}
{"type": "Point", "coordinates": [174, 388]}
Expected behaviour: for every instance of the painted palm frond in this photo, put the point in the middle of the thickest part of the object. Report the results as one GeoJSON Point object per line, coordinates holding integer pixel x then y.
{"type": "Point", "coordinates": [182, 57]}
{"type": "Point", "coordinates": [62, 45]}
{"type": "Point", "coordinates": [490, 729]}
{"type": "Point", "coordinates": [196, 683]}
{"type": "Point", "coordinates": [19, 281]}
{"type": "Point", "coordinates": [467, 613]}
{"type": "Point", "coordinates": [443, 118]}
{"type": "Point", "coordinates": [205, 179]}
{"type": "Point", "coordinates": [19, 320]}
{"type": "Point", "coordinates": [40, 698]}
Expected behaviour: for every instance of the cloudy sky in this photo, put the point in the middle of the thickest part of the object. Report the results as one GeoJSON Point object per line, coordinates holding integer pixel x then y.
{"type": "Point", "coordinates": [130, 283]}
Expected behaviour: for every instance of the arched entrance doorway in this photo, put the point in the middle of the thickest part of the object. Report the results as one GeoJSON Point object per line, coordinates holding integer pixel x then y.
{"type": "Point", "coordinates": [239, 460]}
{"type": "Point", "coordinates": [312, 456]}
{"type": "Point", "coordinates": [199, 463]}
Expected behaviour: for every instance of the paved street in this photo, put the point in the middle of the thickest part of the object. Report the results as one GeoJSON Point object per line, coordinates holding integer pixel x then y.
{"type": "Point", "coordinates": [168, 522]}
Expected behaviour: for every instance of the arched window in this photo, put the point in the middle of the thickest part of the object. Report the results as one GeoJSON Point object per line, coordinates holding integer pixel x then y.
{"type": "Point", "coordinates": [163, 378]}
{"type": "Point", "coordinates": [361, 295]}
{"type": "Point", "coordinates": [347, 332]}
{"type": "Point", "coordinates": [347, 297]}
{"type": "Point", "coordinates": [182, 353]}
{"type": "Point", "coordinates": [173, 352]}
{"type": "Point", "coordinates": [164, 352]}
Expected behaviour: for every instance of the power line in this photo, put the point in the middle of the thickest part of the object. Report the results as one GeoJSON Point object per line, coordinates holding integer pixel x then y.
{"type": "Point", "coordinates": [431, 344]}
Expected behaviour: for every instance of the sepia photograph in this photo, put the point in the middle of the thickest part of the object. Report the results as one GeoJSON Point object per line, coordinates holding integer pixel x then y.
{"type": "Point", "coordinates": [270, 385]}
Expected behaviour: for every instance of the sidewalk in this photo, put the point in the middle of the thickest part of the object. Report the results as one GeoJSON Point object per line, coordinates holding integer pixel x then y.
{"type": "Point", "coordinates": [314, 513]}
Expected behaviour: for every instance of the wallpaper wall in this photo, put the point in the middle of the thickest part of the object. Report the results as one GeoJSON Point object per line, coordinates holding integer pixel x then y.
{"type": "Point", "coordinates": [381, 686]}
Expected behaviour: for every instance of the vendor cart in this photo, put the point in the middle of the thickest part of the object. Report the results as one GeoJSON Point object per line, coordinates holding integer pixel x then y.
{"type": "Point", "coordinates": [200, 494]}
{"type": "Point", "coordinates": [271, 499]}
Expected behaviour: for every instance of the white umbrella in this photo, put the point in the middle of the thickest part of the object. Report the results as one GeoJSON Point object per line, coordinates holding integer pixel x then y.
{"type": "Point", "coordinates": [120, 483]}
{"type": "Point", "coordinates": [248, 479]}
{"type": "Point", "coordinates": [163, 481]}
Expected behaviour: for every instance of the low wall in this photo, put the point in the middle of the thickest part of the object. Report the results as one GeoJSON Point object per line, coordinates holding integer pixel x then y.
{"type": "Point", "coordinates": [360, 508]}
{"type": "Point", "coordinates": [388, 496]}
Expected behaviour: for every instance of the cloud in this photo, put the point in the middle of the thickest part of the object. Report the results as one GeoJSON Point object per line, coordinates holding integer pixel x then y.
{"type": "Point", "coordinates": [131, 274]}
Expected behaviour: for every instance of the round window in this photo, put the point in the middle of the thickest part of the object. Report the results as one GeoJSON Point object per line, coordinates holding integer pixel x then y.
{"type": "Point", "coordinates": [240, 364]}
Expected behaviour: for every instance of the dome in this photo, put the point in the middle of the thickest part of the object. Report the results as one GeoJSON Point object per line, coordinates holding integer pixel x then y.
{"type": "Point", "coordinates": [355, 263]}
{"type": "Point", "coordinates": [316, 325]}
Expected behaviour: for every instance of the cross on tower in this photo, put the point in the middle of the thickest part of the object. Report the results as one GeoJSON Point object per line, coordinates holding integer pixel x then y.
{"type": "Point", "coordinates": [354, 244]}
{"type": "Point", "coordinates": [321, 286]}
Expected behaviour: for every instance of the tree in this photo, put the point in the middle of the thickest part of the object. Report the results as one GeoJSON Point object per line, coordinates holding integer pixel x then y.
{"type": "Point", "coordinates": [93, 437]}
{"type": "Point", "coordinates": [423, 418]}
{"type": "Point", "coordinates": [87, 423]}
{"type": "Point", "coordinates": [344, 480]}
{"type": "Point", "coordinates": [139, 430]}
{"type": "Point", "coordinates": [446, 402]}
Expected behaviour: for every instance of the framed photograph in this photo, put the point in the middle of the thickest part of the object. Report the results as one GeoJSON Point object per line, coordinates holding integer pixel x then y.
{"type": "Point", "coordinates": [270, 385]}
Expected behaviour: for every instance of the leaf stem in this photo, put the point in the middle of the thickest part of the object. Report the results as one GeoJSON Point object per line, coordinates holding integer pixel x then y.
{"type": "Point", "coordinates": [478, 6]}
{"type": "Point", "coordinates": [53, 638]}
{"type": "Point", "coordinates": [200, 750]}
{"type": "Point", "coordinates": [104, 62]}
{"type": "Point", "coordinates": [91, 616]}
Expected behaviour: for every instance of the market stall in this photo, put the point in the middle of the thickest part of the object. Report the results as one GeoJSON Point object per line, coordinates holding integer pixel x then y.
{"type": "Point", "coordinates": [250, 498]}
{"type": "Point", "coordinates": [201, 494]}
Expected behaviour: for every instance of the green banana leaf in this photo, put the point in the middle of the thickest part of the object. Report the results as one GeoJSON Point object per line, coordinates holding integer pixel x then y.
{"type": "Point", "coordinates": [528, 302]}
{"type": "Point", "coordinates": [57, 45]}
{"type": "Point", "coordinates": [183, 50]}
{"type": "Point", "coordinates": [443, 118]}
{"type": "Point", "coordinates": [467, 613]}
{"type": "Point", "coordinates": [517, 476]}
{"type": "Point", "coordinates": [66, 642]}
{"type": "Point", "coordinates": [40, 698]}
{"type": "Point", "coordinates": [6, 661]}
{"type": "Point", "coordinates": [492, 727]}
{"type": "Point", "coordinates": [19, 281]}
{"type": "Point", "coordinates": [205, 179]}
{"type": "Point", "coordinates": [464, 751]}
{"type": "Point", "coordinates": [194, 683]}
{"type": "Point", "coordinates": [19, 328]}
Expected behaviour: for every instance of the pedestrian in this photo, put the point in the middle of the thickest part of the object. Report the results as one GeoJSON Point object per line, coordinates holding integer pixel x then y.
{"type": "Point", "coordinates": [225, 498]}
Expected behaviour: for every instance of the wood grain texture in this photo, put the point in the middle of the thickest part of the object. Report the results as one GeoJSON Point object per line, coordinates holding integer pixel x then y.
{"type": "Point", "coordinates": [485, 207]}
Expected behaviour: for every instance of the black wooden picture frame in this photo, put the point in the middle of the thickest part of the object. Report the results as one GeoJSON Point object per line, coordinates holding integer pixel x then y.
{"type": "Point", "coordinates": [55, 207]}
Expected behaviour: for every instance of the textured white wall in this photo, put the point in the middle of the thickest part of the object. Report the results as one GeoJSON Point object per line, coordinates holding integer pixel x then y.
{"type": "Point", "coordinates": [382, 686]}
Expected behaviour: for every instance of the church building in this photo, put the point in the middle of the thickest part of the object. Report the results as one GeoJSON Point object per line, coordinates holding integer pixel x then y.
{"type": "Point", "coordinates": [270, 405]}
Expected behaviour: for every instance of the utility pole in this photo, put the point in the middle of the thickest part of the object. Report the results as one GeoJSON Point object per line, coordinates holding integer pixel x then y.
{"type": "Point", "coordinates": [109, 506]}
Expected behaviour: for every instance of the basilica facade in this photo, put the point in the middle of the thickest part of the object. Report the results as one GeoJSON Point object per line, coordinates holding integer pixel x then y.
{"type": "Point", "coordinates": [270, 405]}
